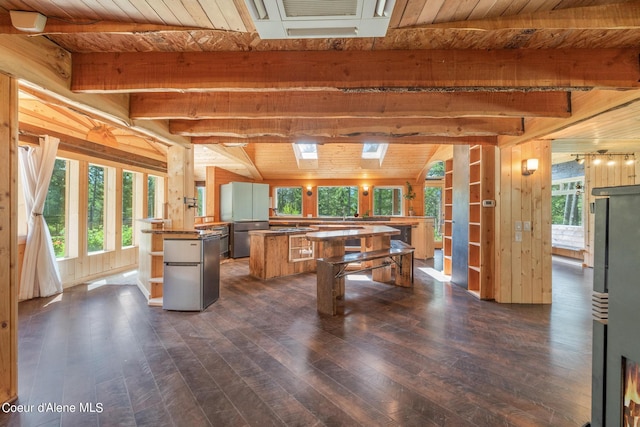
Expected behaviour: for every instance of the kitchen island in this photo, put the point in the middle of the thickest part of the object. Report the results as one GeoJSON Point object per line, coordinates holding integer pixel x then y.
{"type": "Point", "coordinates": [280, 252]}
{"type": "Point", "coordinates": [418, 231]}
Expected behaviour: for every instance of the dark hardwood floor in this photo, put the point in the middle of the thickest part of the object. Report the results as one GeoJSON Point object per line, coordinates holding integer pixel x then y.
{"type": "Point", "coordinates": [428, 356]}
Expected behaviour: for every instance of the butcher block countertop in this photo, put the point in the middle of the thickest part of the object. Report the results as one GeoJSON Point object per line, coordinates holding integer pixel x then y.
{"type": "Point", "coordinates": [306, 222]}
{"type": "Point", "coordinates": [356, 233]}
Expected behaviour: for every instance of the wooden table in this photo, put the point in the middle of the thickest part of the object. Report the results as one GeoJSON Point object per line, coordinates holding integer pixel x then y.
{"type": "Point", "coordinates": [332, 243]}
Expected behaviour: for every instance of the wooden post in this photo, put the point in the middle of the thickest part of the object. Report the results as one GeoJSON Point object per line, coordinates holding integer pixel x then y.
{"type": "Point", "coordinates": [181, 184]}
{"type": "Point", "coordinates": [8, 239]}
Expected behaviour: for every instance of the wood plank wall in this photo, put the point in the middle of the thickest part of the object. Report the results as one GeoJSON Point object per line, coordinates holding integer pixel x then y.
{"type": "Point", "coordinates": [524, 268]}
{"type": "Point", "coordinates": [218, 176]}
{"type": "Point", "coordinates": [181, 184]}
{"type": "Point", "coordinates": [215, 178]}
{"type": "Point", "coordinates": [365, 203]}
{"type": "Point", "coordinates": [602, 175]}
{"type": "Point", "coordinates": [8, 239]}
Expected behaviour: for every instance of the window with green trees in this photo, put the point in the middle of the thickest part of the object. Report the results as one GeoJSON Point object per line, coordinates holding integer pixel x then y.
{"type": "Point", "coordinates": [55, 207]}
{"type": "Point", "coordinates": [567, 201]}
{"type": "Point", "coordinates": [387, 201]}
{"type": "Point", "coordinates": [201, 194]}
{"type": "Point", "coordinates": [433, 207]}
{"type": "Point", "coordinates": [128, 185]}
{"type": "Point", "coordinates": [433, 197]}
{"type": "Point", "coordinates": [289, 200]}
{"type": "Point", "coordinates": [337, 201]}
{"type": "Point", "coordinates": [152, 182]}
{"type": "Point", "coordinates": [96, 208]}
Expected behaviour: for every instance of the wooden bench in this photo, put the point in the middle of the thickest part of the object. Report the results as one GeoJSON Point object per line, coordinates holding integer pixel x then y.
{"type": "Point", "coordinates": [331, 270]}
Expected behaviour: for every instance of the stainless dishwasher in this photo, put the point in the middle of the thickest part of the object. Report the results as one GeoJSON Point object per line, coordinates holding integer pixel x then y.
{"type": "Point", "coordinates": [191, 273]}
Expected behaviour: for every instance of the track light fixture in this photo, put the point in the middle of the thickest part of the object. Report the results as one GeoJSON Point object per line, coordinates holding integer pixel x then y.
{"type": "Point", "coordinates": [601, 155]}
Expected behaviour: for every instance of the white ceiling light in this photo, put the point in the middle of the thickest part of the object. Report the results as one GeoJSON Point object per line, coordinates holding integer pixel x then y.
{"type": "Point", "coordinates": [30, 22]}
{"type": "Point", "coordinates": [289, 19]}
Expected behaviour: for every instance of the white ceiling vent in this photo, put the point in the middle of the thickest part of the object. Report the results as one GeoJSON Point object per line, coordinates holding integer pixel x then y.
{"type": "Point", "coordinates": [291, 19]}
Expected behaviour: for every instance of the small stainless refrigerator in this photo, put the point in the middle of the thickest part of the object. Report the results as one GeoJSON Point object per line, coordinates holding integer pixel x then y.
{"type": "Point", "coordinates": [191, 273]}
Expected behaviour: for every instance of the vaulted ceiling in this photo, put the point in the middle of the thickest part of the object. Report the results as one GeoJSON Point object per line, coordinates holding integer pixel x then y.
{"type": "Point", "coordinates": [447, 72]}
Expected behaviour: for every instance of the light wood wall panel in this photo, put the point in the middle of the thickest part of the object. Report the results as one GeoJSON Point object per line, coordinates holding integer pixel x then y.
{"type": "Point", "coordinates": [83, 268]}
{"type": "Point", "coordinates": [215, 178]}
{"type": "Point", "coordinates": [180, 185]}
{"type": "Point", "coordinates": [524, 267]}
{"type": "Point", "coordinates": [365, 203]}
{"type": "Point", "coordinates": [602, 175]}
{"type": "Point", "coordinates": [8, 239]}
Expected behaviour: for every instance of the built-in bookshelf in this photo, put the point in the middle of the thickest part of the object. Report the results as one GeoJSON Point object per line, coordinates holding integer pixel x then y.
{"type": "Point", "coordinates": [448, 217]}
{"type": "Point", "coordinates": [481, 221]}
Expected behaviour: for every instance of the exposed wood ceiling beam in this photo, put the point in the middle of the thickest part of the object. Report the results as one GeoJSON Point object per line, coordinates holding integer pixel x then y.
{"type": "Point", "coordinates": [328, 127]}
{"type": "Point", "coordinates": [538, 69]}
{"type": "Point", "coordinates": [287, 104]}
{"type": "Point", "coordinates": [618, 16]}
{"type": "Point", "coordinates": [46, 69]}
{"type": "Point", "coordinates": [238, 154]}
{"type": "Point", "coordinates": [88, 148]}
{"type": "Point", "coordinates": [58, 26]}
{"type": "Point", "coordinates": [470, 140]}
{"type": "Point", "coordinates": [585, 106]}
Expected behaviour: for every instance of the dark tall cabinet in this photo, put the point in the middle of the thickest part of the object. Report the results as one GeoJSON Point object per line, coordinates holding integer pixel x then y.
{"type": "Point", "coordinates": [616, 308]}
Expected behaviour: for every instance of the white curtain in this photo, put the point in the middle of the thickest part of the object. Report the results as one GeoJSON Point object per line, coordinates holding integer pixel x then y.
{"type": "Point", "coordinates": [40, 275]}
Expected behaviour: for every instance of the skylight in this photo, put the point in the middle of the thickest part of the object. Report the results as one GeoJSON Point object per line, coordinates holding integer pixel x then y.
{"type": "Point", "coordinates": [306, 151]}
{"type": "Point", "coordinates": [306, 155]}
{"type": "Point", "coordinates": [373, 151]}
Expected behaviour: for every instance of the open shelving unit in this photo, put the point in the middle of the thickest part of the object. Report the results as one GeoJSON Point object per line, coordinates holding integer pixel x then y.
{"type": "Point", "coordinates": [151, 257]}
{"type": "Point", "coordinates": [448, 217]}
{"type": "Point", "coordinates": [300, 248]}
{"type": "Point", "coordinates": [481, 221]}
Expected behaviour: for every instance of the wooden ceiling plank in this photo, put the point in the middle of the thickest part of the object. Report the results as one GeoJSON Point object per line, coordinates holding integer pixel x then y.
{"type": "Point", "coordinates": [617, 16]}
{"type": "Point", "coordinates": [232, 15]}
{"type": "Point", "coordinates": [585, 106]}
{"type": "Point", "coordinates": [56, 26]}
{"type": "Point", "coordinates": [307, 104]}
{"type": "Point", "coordinates": [427, 69]}
{"type": "Point", "coordinates": [465, 140]}
{"type": "Point", "coordinates": [430, 11]}
{"type": "Point", "coordinates": [82, 146]}
{"type": "Point", "coordinates": [239, 155]}
{"type": "Point", "coordinates": [46, 69]}
{"type": "Point", "coordinates": [329, 127]}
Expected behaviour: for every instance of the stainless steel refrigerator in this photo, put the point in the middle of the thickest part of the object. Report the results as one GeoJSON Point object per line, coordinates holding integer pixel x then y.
{"type": "Point", "coordinates": [615, 303]}
{"type": "Point", "coordinates": [191, 273]}
{"type": "Point", "coordinates": [246, 206]}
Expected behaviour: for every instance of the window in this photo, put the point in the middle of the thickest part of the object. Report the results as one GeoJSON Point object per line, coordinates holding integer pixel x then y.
{"type": "Point", "coordinates": [96, 209]}
{"type": "Point", "coordinates": [155, 196]}
{"type": "Point", "coordinates": [433, 207]}
{"type": "Point", "coordinates": [433, 198]}
{"type": "Point", "coordinates": [387, 201]}
{"type": "Point", "coordinates": [201, 194]}
{"type": "Point", "coordinates": [373, 151]}
{"type": "Point", "coordinates": [289, 200]}
{"type": "Point", "coordinates": [128, 191]}
{"type": "Point", "coordinates": [337, 201]}
{"type": "Point", "coordinates": [55, 208]}
{"type": "Point", "coordinates": [306, 151]}
{"type": "Point", "coordinates": [151, 196]}
{"type": "Point", "coordinates": [436, 171]}
{"type": "Point", "coordinates": [567, 201]}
